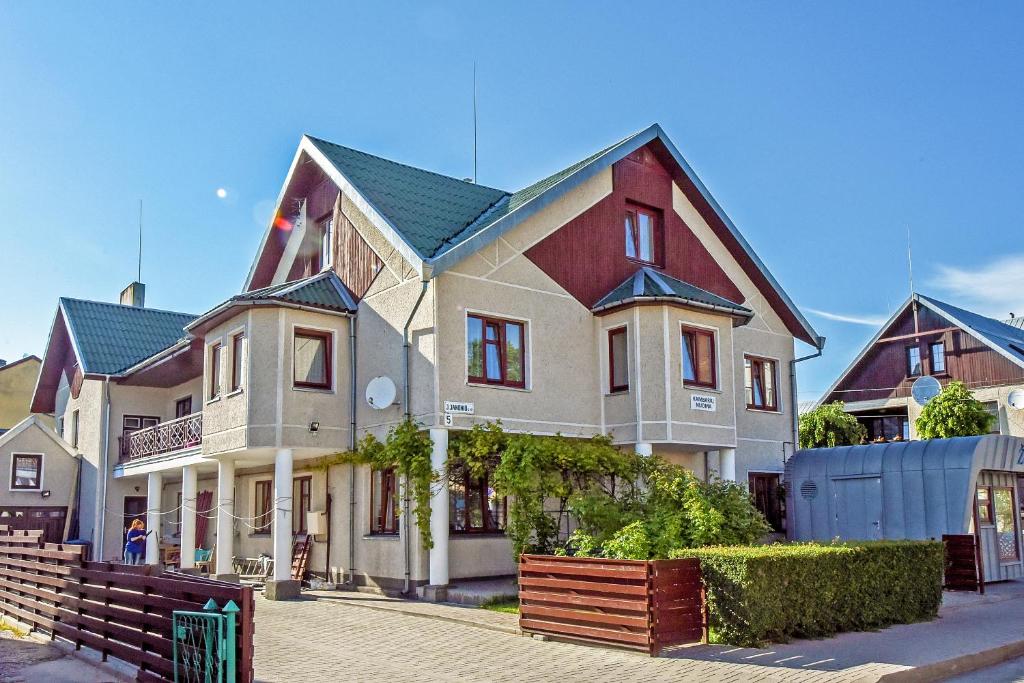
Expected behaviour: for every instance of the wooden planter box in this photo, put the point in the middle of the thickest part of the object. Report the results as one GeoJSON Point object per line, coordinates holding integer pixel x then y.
{"type": "Point", "coordinates": [639, 604]}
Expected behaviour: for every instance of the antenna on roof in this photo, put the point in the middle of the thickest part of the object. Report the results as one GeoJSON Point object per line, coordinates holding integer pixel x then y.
{"type": "Point", "coordinates": [140, 242]}
{"type": "Point", "coordinates": [910, 270]}
{"type": "Point", "coordinates": [474, 122]}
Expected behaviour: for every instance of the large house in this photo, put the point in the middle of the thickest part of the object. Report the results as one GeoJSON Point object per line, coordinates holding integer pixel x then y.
{"type": "Point", "coordinates": [928, 337]}
{"type": "Point", "coordinates": [613, 297]}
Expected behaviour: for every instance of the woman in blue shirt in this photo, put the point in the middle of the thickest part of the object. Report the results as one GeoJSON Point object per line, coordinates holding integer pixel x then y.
{"type": "Point", "coordinates": [135, 542]}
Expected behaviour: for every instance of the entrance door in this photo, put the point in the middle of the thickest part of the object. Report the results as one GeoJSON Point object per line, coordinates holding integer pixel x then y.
{"type": "Point", "coordinates": [858, 510]}
{"type": "Point", "coordinates": [765, 490]}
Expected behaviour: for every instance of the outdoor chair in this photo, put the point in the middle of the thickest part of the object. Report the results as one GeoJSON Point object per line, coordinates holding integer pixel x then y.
{"type": "Point", "coordinates": [204, 559]}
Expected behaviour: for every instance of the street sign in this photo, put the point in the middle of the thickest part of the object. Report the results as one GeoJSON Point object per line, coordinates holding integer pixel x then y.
{"type": "Point", "coordinates": [458, 408]}
{"type": "Point", "coordinates": [703, 402]}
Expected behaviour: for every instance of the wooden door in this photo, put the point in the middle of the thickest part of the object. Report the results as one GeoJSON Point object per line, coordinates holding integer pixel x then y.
{"type": "Point", "coordinates": [48, 519]}
{"type": "Point", "coordinates": [765, 490]}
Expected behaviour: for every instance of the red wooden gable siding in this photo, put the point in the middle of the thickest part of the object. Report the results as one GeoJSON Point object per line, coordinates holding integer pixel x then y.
{"type": "Point", "coordinates": [882, 373]}
{"type": "Point", "coordinates": [587, 256]}
{"type": "Point", "coordinates": [354, 261]}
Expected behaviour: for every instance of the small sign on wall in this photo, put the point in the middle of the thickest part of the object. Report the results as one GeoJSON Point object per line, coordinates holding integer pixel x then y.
{"type": "Point", "coordinates": [458, 407]}
{"type": "Point", "coordinates": [703, 402]}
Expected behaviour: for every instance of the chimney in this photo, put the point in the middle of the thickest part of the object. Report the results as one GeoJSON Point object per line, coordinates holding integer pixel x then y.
{"type": "Point", "coordinates": [134, 295]}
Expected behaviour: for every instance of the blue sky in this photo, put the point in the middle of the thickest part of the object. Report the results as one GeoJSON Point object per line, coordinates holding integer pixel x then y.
{"type": "Point", "coordinates": [824, 129]}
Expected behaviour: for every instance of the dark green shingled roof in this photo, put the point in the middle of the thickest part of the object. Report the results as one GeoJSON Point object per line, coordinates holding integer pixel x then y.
{"type": "Point", "coordinates": [648, 283]}
{"type": "Point", "coordinates": [426, 208]}
{"type": "Point", "coordinates": [324, 290]}
{"type": "Point", "coordinates": [111, 338]}
{"type": "Point", "coordinates": [433, 211]}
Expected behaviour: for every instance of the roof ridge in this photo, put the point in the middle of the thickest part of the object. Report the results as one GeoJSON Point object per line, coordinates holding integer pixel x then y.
{"type": "Point", "coordinates": [125, 306]}
{"type": "Point", "coordinates": [404, 165]}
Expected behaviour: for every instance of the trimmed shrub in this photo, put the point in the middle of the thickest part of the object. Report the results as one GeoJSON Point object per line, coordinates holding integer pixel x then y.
{"type": "Point", "coordinates": [759, 594]}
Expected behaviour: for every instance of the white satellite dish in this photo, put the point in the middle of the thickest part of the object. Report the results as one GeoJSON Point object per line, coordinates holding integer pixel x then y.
{"type": "Point", "coordinates": [925, 389]}
{"type": "Point", "coordinates": [380, 392]}
{"type": "Point", "coordinates": [1016, 399]}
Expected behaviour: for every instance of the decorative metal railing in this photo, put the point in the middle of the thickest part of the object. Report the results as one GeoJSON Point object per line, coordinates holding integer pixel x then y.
{"type": "Point", "coordinates": [166, 437]}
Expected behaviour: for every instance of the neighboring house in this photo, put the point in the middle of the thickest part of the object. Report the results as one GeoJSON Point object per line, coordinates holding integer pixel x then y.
{"type": "Point", "coordinates": [614, 297]}
{"type": "Point", "coordinates": [929, 337]}
{"type": "Point", "coordinates": [41, 472]}
{"type": "Point", "coordinates": [17, 380]}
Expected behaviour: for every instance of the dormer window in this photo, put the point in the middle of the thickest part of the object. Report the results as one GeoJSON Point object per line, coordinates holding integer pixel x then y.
{"type": "Point", "coordinates": [642, 233]}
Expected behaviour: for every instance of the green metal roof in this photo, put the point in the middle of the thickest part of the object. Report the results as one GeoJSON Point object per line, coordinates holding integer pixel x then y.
{"type": "Point", "coordinates": [110, 338]}
{"type": "Point", "coordinates": [323, 290]}
{"type": "Point", "coordinates": [426, 208]}
{"type": "Point", "coordinates": [647, 283]}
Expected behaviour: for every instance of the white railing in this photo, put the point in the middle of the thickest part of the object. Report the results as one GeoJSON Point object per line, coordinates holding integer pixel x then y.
{"type": "Point", "coordinates": [166, 437]}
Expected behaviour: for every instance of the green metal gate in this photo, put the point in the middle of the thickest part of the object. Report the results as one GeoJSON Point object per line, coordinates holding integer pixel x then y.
{"type": "Point", "coordinates": [204, 644]}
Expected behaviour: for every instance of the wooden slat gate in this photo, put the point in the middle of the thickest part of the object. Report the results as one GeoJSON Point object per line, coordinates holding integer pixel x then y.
{"type": "Point", "coordinates": [644, 605]}
{"type": "Point", "coordinates": [118, 610]}
{"type": "Point", "coordinates": [963, 569]}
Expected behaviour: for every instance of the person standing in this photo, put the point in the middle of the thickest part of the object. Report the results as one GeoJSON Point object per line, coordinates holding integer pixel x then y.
{"type": "Point", "coordinates": [135, 542]}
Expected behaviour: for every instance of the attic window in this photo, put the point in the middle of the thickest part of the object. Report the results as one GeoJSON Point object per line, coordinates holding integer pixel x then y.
{"type": "Point", "coordinates": [326, 242]}
{"type": "Point", "coordinates": [26, 471]}
{"type": "Point", "coordinates": [643, 232]}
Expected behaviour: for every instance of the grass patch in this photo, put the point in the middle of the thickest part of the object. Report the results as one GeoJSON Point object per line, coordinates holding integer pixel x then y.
{"type": "Point", "coordinates": [502, 603]}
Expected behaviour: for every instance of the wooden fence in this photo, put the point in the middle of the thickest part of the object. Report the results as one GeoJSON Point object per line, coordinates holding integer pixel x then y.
{"type": "Point", "coordinates": [115, 609]}
{"type": "Point", "coordinates": [643, 605]}
{"type": "Point", "coordinates": [963, 563]}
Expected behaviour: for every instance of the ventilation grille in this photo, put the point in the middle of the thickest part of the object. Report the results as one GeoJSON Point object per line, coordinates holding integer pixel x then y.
{"type": "Point", "coordinates": [808, 489]}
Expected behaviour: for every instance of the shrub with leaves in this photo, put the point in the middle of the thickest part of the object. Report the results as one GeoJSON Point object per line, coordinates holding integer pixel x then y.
{"type": "Point", "coordinates": [954, 412]}
{"type": "Point", "coordinates": [828, 426]}
{"type": "Point", "coordinates": [772, 593]}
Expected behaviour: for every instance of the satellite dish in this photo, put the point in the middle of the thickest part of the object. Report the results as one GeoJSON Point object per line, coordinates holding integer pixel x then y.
{"type": "Point", "coordinates": [925, 389]}
{"type": "Point", "coordinates": [1016, 399]}
{"type": "Point", "coordinates": [380, 392]}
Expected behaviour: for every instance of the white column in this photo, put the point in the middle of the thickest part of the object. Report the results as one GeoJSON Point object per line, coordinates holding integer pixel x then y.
{"type": "Point", "coordinates": [727, 464]}
{"type": "Point", "coordinates": [225, 521]}
{"type": "Point", "coordinates": [283, 515]}
{"type": "Point", "coordinates": [643, 448]}
{"type": "Point", "coordinates": [439, 510]}
{"type": "Point", "coordinates": [153, 493]}
{"type": "Point", "coordinates": [188, 517]}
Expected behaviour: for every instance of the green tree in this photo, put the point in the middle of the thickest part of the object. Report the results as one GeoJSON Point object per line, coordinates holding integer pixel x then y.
{"type": "Point", "coordinates": [954, 412]}
{"type": "Point", "coordinates": [829, 425]}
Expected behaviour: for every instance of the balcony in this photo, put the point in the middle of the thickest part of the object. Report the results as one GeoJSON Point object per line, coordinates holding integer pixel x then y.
{"type": "Point", "coordinates": [166, 437]}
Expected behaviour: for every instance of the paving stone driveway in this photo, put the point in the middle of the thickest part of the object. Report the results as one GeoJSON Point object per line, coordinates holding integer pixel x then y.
{"type": "Point", "coordinates": [336, 640]}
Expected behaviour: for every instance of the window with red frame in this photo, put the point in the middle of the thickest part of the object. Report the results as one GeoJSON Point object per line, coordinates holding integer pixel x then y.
{"type": "Point", "coordinates": [263, 506]}
{"type": "Point", "coordinates": [496, 351]}
{"type": "Point", "coordinates": [760, 384]}
{"type": "Point", "coordinates": [643, 231]}
{"type": "Point", "coordinates": [216, 351]}
{"type": "Point", "coordinates": [236, 362]}
{"type": "Point", "coordinates": [302, 488]}
{"type": "Point", "coordinates": [312, 359]}
{"type": "Point", "coordinates": [384, 501]}
{"type": "Point", "coordinates": [618, 360]}
{"type": "Point", "coordinates": [473, 504]}
{"type": "Point", "coordinates": [699, 357]}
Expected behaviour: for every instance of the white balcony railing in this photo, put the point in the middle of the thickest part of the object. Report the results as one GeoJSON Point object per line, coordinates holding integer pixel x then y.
{"type": "Point", "coordinates": [166, 437]}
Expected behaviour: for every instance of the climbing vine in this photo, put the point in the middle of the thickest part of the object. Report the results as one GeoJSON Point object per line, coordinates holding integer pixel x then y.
{"type": "Point", "coordinates": [407, 449]}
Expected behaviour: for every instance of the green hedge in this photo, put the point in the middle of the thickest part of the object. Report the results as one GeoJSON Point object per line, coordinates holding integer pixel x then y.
{"type": "Point", "coordinates": [772, 593]}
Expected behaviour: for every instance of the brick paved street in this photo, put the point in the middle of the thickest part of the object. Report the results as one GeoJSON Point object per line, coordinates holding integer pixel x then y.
{"type": "Point", "coordinates": [340, 636]}
{"type": "Point", "coordinates": [336, 640]}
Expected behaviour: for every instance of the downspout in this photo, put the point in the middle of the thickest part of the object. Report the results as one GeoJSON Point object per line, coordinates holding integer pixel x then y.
{"type": "Point", "coordinates": [796, 405]}
{"type": "Point", "coordinates": [352, 447]}
{"type": "Point", "coordinates": [408, 415]}
{"type": "Point", "coordinates": [104, 473]}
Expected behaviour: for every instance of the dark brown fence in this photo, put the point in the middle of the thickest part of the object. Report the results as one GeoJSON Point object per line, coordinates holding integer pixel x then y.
{"type": "Point", "coordinates": [644, 605]}
{"type": "Point", "coordinates": [117, 610]}
{"type": "Point", "coordinates": [963, 563]}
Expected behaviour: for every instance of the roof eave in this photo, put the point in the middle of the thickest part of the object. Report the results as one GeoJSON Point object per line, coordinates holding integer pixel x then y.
{"type": "Point", "coordinates": [972, 330]}
{"type": "Point", "coordinates": [745, 315]}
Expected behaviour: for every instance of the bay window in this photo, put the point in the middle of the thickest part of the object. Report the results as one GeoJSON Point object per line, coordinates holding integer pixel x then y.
{"type": "Point", "coordinates": [495, 351]}
{"type": "Point", "coordinates": [760, 383]}
{"type": "Point", "coordinates": [618, 360]}
{"type": "Point", "coordinates": [699, 357]}
{"type": "Point", "coordinates": [312, 359]}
